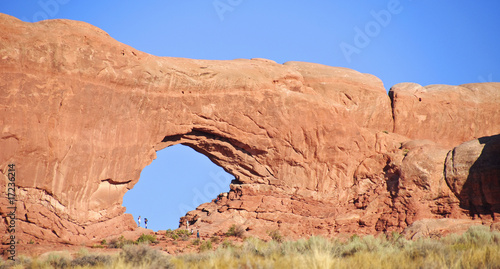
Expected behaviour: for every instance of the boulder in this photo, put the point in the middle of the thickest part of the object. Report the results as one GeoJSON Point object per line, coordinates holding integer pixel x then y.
{"type": "Point", "coordinates": [473, 174]}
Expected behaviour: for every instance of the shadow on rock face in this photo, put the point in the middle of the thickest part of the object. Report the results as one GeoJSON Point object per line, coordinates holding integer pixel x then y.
{"type": "Point", "coordinates": [482, 188]}
{"type": "Point", "coordinates": [473, 173]}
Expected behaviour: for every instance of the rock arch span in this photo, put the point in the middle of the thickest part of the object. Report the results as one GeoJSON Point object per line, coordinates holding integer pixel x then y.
{"type": "Point", "coordinates": [176, 182]}
{"type": "Point", "coordinates": [312, 146]}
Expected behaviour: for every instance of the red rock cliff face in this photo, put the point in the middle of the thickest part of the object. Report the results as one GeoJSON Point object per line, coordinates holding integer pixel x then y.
{"type": "Point", "coordinates": [314, 149]}
{"type": "Point", "coordinates": [448, 115]}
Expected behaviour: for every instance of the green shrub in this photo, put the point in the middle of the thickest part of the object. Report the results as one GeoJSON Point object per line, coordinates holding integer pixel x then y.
{"type": "Point", "coordinates": [236, 230]}
{"type": "Point", "coordinates": [146, 239]}
{"type": "Point", "coordinates": [144, 256]}
{"type": "Point", "coordinates": [215, 239]}
{"type": "Point", "coordinates": [353, 246]}
{"type": "Point", "coordinates": [476, 248]}
{"type": "Point", "coordinates": [227, 244]}
{"type": "Point", "coordinates": [424, 247]}
{"type": "Point", "coordinates": [196, 242]}
{"type": "Point", "coordinates": [92, 260]}
{"type": "Point", "coordinates": [169, 233]}
{"type": "Point", "coordinates": [260, 248]}
{"type": "Point", "coordinates": [205, 246]}
{"type": "Point", "coordinates": [479, 235]}
{"type": "Point", "coordinates": [179, 233]}
{"type": "Point", "coordinates": [391, 251]}
{"type": "Point", "coordinates": [276, 236]}
{"type": "Point", "coordinates": [56, 260]}
{"type": "Point", "coordinates": [119, 242]}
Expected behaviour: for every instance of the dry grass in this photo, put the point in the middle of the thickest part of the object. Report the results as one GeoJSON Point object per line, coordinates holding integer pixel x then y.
{"type": "Point", "coordinates": [477, 248]}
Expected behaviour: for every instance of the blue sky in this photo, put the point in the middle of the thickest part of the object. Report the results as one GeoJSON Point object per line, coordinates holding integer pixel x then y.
{"type": "Point", "coordinates": [427, 42]}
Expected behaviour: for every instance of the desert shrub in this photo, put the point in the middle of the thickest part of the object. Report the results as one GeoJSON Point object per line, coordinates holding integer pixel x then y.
{"type": "Point", "coordinates": [82, 252]}
{"type": "Point", "coordinates": [144, 256]}
{"type": "Point", "coordinates": [236, 230]}
{"type": "Point", "coordinates": [178, 234]}
{"type": "Point", "coordinates": [174, 236]}
{"type": "Point", "coordinates": [373, 244]}
{"type": "Point", "coordinates": [366, 244]}
{"type": "Point", "coordinates": [146, 239]}
{"type": "Point", "coordinates": [215, 239]}
{"type": "Point", "coordinates": [293, 247]}
{"type": "Point", "coordinates": [181, 232]}
{"type": "Point", "coordinates": [479, 235]}
{"type": "Point", "coordinates": [276, 236]}
{"type": "Point", "coordinates": [20, 262]}
{"type": "Point", "coordinates": [353, 246]}
{"type": "Point", "coordinates": [424, 247]}
{"type": "Point", "coordinates": [195, 258]}
{"type": "Point", "coordinates": [477, 248]}
{"type": "Point", "coordinates": [92, 260]}
{"type": "Point", "coordinates": [169, 233]}
{"type": "Point", "coordinates": [119, 242]}
{"type": "Point", "coordinates": [253, 245]}
{"type": "Point", "coordinates": [259, 247]}
{"type": "Point", "coordinates": [391, 251]}
{"type": "Point", "coordinates": [227, 244]}
{"type": "Point", "coordinates": [196, 242]}
{"type": "Point", "coordinates": [58, 261]}
{"type": "Point", "coordinates": [394, 237]}
{"type": "Point", "coordinates": [205, 245]}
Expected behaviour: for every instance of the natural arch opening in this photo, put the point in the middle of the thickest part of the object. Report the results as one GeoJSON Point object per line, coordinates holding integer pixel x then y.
{"type": "Point", "coordinates": [177, 181]}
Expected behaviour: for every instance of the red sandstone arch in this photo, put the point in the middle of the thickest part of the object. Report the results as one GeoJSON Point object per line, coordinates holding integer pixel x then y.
{"type": "Point", "coordinates": [83, 114]}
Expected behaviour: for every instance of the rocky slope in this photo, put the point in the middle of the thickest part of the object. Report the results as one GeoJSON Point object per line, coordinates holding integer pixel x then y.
{"type": "Point", "coordinates": [314, 149]}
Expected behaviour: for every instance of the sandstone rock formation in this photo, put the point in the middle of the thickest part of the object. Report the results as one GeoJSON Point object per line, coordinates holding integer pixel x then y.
{"type": "Point", "coordinates": [448, 115]}
{"type": "Point", "coordinates": [314, 149]}
{"type": "Point", "coordinates": [473, 174]}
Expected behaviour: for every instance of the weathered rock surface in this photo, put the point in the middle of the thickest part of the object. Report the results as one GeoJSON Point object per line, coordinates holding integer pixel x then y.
{"type": "Point", "coordinates": [360, 95]}
{"type": "Point", "coordinates": [473, 174]}
{"type": "Point", "coordinates": [448, 115]}
{"type": "Point", "coordinates": [314, 149]}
